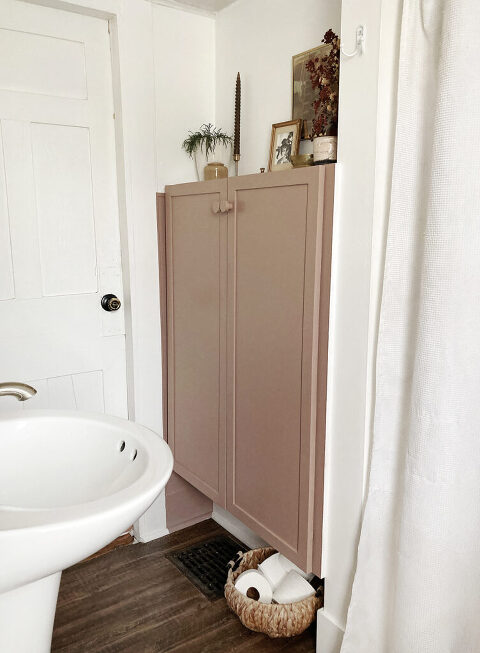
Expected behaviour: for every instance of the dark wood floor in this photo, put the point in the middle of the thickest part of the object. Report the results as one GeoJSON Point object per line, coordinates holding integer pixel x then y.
{"type": "Point", "coordinates": [135, 600]}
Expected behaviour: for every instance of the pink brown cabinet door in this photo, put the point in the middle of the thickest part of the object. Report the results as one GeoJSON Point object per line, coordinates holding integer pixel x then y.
{"type": "Point", "coordinates": [196, 309]}
{"type": "Point", "coordinates": [275, 232]}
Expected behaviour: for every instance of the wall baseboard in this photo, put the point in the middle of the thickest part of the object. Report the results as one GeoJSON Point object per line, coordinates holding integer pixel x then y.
{"type": "Point", "coordinates": [329, 635]}
{"type": "Point", "coordinates": [237, 528]}
{"type": "Point", "coordinates": [190, 522]}
{"type": "Point", "coordinates": [152, 535]}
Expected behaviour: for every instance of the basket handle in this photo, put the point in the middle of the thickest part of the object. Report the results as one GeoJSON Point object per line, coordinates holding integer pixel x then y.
{"type": "Point", "coordinates": [234, 564]}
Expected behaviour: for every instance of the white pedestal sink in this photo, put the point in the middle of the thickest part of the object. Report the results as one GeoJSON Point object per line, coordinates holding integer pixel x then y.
{"type": "Point", "coordinates": [70, 482]}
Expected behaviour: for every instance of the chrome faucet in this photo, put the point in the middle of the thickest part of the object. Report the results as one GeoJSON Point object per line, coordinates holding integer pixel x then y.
{"type": "Point", "coordinates": [21, 391]}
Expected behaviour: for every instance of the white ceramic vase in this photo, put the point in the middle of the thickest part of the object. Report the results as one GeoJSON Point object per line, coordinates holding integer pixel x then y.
{"type": "Point", "coordinates": [324, 149]}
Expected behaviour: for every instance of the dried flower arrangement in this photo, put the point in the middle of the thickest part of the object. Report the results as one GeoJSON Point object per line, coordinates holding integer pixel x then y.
{"type": "Point", "coordinates": [324, 76]}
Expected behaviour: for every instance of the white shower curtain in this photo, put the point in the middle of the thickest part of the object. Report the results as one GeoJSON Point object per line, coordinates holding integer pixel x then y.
{"type": "Point", "coordinates": [417, 584]}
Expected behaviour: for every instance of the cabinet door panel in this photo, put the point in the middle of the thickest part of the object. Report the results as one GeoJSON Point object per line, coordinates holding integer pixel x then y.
{"type": "Point", "coordinates": [196, 296]}
{"type": "Point", "coordinates": [274, 256]}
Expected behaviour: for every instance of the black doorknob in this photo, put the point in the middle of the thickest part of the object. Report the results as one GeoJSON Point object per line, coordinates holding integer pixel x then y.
{"type": "Point", "coordinates": [110, 303]}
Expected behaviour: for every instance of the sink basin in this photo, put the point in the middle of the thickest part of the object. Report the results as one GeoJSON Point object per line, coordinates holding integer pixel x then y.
{"type": "Point", "coordinates": [70, 482]}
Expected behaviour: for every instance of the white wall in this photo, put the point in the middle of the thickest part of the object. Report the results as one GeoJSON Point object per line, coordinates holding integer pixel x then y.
{"type": "Point", "coordinates": [349, 309]}
{"type": "Point", "coordinates": [258, 39]}
{"type": "Point", "coordinates": [184, 56]}
{"type": "Point", "coordinates": [366, 127]}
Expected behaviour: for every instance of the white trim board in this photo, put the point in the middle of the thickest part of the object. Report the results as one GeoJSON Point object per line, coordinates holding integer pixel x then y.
{"type": "Point", "coordinates": [329, 634]}
{"type": "Point", "coordinates": [150, 535]}
{"type": "Point", "coordinates": [193, 7]}
{"type": "Point", "coordinates": [237, 528]}
{"type": "Point", "coordinates": [175, 4]}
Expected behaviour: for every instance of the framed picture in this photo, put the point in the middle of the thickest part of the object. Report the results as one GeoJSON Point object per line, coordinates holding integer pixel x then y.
{"type": "Point", "coordinates": [303, 95]}
{"type": "Point", "coordinates": [285, 142]}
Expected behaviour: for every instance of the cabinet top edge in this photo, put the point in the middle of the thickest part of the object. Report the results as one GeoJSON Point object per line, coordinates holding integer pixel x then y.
{"type": "Point", "coordinates": [282, 176]}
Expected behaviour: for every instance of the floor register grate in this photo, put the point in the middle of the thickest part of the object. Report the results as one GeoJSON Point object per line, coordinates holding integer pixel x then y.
{"type": "Point", "coordinates": [205, 564]}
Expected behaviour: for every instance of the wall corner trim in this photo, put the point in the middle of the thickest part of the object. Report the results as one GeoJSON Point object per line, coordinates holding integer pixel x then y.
{"type": "Point", "coordinates": [329, 634]}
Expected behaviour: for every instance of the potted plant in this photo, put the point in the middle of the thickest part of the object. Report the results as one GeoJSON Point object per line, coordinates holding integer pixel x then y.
{"type": "Point", "coordinates": [205, 148]}
{"type": "Point", "coordinates": [324, 75]}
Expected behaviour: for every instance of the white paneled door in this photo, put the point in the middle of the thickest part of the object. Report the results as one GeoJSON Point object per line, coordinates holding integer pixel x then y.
{"type": "Point", "coordinates": [59, 231]}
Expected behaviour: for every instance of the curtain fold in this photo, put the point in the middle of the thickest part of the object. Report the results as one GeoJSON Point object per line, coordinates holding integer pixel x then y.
{"type": "Point", "coordinates": [417, 583]}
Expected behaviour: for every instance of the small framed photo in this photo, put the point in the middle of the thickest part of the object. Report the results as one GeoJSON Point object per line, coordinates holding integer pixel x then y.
{"type": "Point", "coordinates": [285, 142]}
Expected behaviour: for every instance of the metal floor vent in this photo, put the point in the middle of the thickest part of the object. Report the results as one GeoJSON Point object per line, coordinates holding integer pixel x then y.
{"type": "Point", "coordinates": [205, 564]}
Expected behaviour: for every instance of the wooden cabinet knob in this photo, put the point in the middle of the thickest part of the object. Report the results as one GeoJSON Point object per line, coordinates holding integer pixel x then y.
{"type": "Point", "coordinates": [222, 207]}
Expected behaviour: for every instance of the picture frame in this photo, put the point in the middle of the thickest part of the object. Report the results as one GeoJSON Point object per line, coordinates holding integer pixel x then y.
{"type": "Point", "coordinates": [303, 95]}
{"type": "Point", "coordinates": [284, 143]}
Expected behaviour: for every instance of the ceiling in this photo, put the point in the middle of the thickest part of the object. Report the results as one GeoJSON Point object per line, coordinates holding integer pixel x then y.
{"type": "Point", "coordinates": [206, 5]}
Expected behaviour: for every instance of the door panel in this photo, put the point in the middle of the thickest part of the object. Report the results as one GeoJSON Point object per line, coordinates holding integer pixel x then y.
{"type": "Point", "coordinates": [60, 243]}
{"type": "Point", "coordinates": [71, 392]}
{"type": "Point", "coordinates": [196, 296]}
{"type": "Point", "coordinates": [43, 64]}
{"type": "Point", "coordinates": [272, 317]}
{"type": "Point", "coordinates": [7, 285]}
{"type": "Point", "coordinates": [21, 209]}
{"type": "Point", "coordinates": [63, 191]}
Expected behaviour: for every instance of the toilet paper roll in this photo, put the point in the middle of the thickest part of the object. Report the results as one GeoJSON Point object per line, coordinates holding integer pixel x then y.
{"type": "Point", "coordinates": [289, 566]}
{"type": "Point", "coordinates": [273, 570]}
{"type": "Point", "coordinates": [292, 589]}
{"type": "Point", "coordinates": [254, 579]}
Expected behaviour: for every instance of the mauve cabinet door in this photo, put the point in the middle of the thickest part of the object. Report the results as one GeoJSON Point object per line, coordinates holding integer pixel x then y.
{"type": "Point", "coordinates": [196, 309]}
{"type": "Point", "coordinates": [274, 279]}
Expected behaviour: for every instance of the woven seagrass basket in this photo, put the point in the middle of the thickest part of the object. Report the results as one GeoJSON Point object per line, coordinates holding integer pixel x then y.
{"type": "Point", "coordinates": [273, 619]}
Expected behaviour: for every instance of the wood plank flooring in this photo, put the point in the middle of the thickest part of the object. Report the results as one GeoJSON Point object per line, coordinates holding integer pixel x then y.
{"type": "Point", "coordinates": [134, 600]}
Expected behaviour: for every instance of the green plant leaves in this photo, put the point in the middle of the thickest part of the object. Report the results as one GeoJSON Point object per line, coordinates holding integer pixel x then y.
{"type": "Point", "coordinates": [206, 139]}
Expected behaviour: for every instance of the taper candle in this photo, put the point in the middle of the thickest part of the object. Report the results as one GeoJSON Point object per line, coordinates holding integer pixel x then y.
{"type": "Point", "coordinates": [236, 137]}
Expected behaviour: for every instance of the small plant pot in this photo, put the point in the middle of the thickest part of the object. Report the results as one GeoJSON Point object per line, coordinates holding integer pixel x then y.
{"type": "Point", "coordinates": [220, 155]}
{"type": "Point", "coordinates": [215, 170]}
{"type": "Point", "coordinates": [324, 149]}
